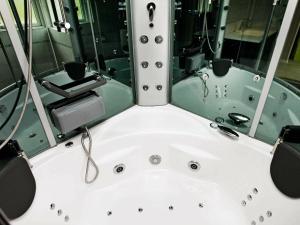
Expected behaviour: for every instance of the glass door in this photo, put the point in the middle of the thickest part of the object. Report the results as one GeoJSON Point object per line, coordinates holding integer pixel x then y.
{"type": "Point", "coordinates": [30, 135]}
{"type": "Point", "coordinates": [92, 33]}
{"type": "Point", "coordinates": [283, 102]}
{"type": "Point", "coordinates": [222, 50]}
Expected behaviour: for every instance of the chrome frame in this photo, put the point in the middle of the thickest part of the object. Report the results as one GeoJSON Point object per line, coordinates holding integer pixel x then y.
{"type": "Point", "coordinates": [22, 59]}
{"type": "Point", "coordinates": [91, 20]}
{"type": "Point", "coordinates": [130, 44]}
{"type": "Point", "coordinates": [171, 46]}
{"type": "Point", "coordinates": [265, 36]}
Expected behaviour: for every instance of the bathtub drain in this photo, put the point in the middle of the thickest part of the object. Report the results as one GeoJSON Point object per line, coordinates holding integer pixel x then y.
{"type": "Point", "coordinates": [155, 159]}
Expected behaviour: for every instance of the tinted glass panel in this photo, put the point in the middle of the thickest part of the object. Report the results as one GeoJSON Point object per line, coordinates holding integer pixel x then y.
{"type": "Point", "coordinates": [30, 134]}
{"type": "Point", "coordinates": [283, 103]}
{"type": "Point", "coordinates": [222, 50]}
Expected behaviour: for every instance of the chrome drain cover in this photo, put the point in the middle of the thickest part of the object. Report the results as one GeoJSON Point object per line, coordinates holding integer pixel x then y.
{"type": "Point", "coordinates": [155, 159]}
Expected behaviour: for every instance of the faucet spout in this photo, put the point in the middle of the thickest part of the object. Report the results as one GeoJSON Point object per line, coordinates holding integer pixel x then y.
{"type": "Point", "coordinates": [151, 7]}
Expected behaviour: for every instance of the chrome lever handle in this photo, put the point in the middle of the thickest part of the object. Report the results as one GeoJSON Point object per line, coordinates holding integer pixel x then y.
{"type": "Point", "coordinates": [151, 7]}
{"type": "Point", "coordinates": [225, 130]}
{"type": "Point", "coordinates": [229, 132]}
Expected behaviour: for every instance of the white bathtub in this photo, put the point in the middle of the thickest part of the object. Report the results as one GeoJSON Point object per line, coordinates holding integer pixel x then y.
{"type": "Point", "coordinates": [232, 187]}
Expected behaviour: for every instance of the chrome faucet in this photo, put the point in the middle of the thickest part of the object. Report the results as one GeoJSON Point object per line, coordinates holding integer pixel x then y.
{"type": "Point", "coordinates": [3, 109]}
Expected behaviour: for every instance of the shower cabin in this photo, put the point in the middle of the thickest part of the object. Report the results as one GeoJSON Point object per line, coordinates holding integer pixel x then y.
{"type": "Point", "coordinates": [111, 111]}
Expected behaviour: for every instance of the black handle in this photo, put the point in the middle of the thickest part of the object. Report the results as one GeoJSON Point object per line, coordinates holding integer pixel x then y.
{"type": "Point", "coordinates": [61, 90]}
{"type": "Point", "coordinates": [151, 7]}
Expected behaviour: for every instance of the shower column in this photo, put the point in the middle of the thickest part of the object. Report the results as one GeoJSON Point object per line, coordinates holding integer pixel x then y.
{"type": "Point", "coordinates": [151, 36]}
{"type": "Point", "coordinates": [221, 28]}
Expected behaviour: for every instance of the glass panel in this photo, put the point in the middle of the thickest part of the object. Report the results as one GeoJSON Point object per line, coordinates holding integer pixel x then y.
{"type": "Point", "coordinates": [80, 10]}
{"type": "Point", "coordinates": [251, 31]}
{"type": "Point", "coordinates": [30, 135]}
{"type": "Point", "coordinates": [217, 47]}
{"type": "Point", "coordinates": [53, 49]}
{"type": "Point", "coordinates": [50, 8]}
{"type": "Point", "coordinates": [111, 37]}
{"type": "Point", "coordinates": [56, 8]}
{"type": "Point", "coordinates": [20, 8]}
{"type": "Point", "coordinates": [283, 103]}
{"type": "Point", "coordinates": [112, 48]}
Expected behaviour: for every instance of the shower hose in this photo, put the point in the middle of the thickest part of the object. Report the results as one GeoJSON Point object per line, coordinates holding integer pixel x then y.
{"type": "Point", "coordinates": [29, 75]}
{"type": "Point", "coordinates": [88, 151]}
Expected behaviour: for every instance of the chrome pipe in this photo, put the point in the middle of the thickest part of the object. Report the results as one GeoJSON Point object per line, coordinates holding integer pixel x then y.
{"type": "Point", "coordinates": [262, 46]}
{"type": "Point", "coordinates": [89, 8]}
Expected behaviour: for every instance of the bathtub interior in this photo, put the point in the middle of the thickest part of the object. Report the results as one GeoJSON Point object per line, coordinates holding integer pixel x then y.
{"type": "Point", "coordinates": [235, 92]}
{"type": "Point", "coordinates": [31, 137]}
{"type": "Point", "coordinates": [281, 109]}
{"type": "Point", "coordinates": [168, 191]}
{"type": "Point", "coordinates": [238, 92]}
{"type": "Point", "coordinates": [158, 164]}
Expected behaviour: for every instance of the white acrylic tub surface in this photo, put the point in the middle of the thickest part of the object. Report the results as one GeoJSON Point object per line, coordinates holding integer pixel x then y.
{"type": "Point", "coordinates": [221, 192]}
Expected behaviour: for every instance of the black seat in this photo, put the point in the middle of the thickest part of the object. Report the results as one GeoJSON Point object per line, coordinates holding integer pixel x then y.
{"type": "Point", "coordinates": [221, 67]}
{"type": "Point", "coordinates": [17, 184]}
{"type": "Point", "coordinates": [285, 165]}
{"type": "Point", "coordinates": [75, 70]}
